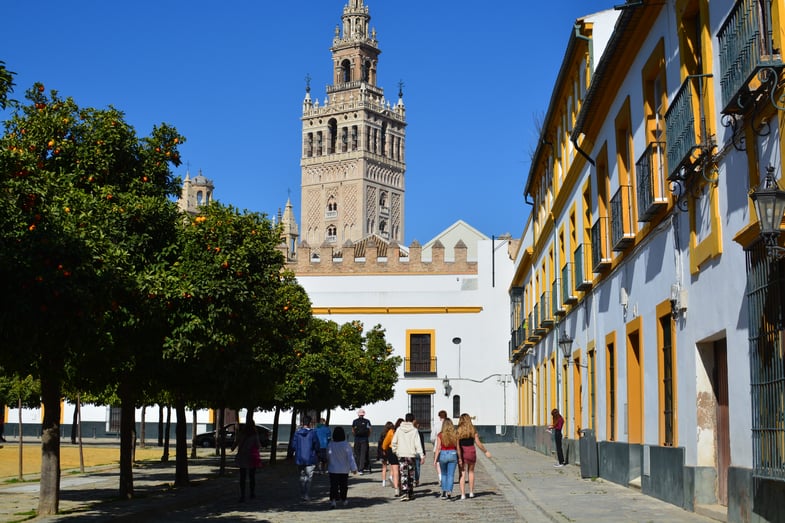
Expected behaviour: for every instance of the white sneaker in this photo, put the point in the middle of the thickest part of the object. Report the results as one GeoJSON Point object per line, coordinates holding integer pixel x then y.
{"type": "Point", "coordinates": [463, 497]}
{"type": "Point", "coordinates": [471, 494]}
{"type": "Point", "coordinates": [360, 473]}
{"type": "Point", "coordinates": [384, 482]}
{"type": "Point", "coordinates": [559, 465]}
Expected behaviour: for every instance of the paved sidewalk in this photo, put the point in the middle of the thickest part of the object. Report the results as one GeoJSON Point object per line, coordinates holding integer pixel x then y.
{"type": "Point", "coordinates": [516, 484]}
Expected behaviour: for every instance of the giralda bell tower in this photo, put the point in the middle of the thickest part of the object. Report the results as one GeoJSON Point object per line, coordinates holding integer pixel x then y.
{"type": "Point", "coordinates": [353, 161]}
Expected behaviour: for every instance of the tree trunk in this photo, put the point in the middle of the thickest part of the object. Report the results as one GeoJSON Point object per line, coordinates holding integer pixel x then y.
{"type": "Point", "coordinates": [126, 444]}
{"type": "Point", "coordinates": [49, 493]}
{"type": "Point", "coordinates": [141, 428]}
{"type": "Point", "coordinates": [181, 442]}
{"type": "Point", "coordinates": [165, 456]}
{"type": "Point", "coordinates": [193, 436]}
{"type": "Point", "coordinates": [78, 412]}
{"type": "Point", "coordinates": [219, 439]}
{"type": "Point", "coordinates": [292, 429]}
{"type": "Point", "coordinates": [75, 423]}
{"type": "Point", "coordinates": [274, 437]}
{"type": "Point", "coordinates": [21, 439]}
{"type": "Point", "coordinates": [160, 425]}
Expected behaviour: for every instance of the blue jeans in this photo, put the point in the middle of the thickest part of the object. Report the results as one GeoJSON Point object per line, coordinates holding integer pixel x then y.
{"type": "Point", "coordinates": [306, 476]}
{"type": "Point", "coordinates": [448, 461]}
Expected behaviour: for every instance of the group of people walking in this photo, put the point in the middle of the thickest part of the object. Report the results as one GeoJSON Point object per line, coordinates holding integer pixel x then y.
{"type": "Point", "coordinates": [401, 450]}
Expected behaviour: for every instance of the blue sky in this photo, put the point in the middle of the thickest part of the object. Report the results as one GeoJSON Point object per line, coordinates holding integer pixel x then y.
{"type": "Point", "coordinates": [230, 76]}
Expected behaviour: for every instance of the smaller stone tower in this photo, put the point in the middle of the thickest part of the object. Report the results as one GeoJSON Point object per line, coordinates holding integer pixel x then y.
{"type": "Point", "coordinates": [196, 192]}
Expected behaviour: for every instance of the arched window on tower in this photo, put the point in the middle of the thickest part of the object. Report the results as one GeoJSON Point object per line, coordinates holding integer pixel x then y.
{"type": "Point", "coordinates": [383, 139]}
{"type": "Point", "coordinates": [332, 234]}
{"type": "Point", "coordinates": [354, 137]}
{"type": "Point", "coordinates": [383, 228]}
{"type": "Point", "coordinates": [366, 70]}
{"type": "Point", "coordinates": [344, 139]}
{"type": "Point", "coordinates": [199, 197]}
{"type": "Point", "coordinates": [309, 145]}
{"type": "Point", "coordinates": [318, 143]}
{"type": "Point", "coordinates": [346, 71]}
{"type": "Point", "coordinates": [383, 199]}
{"type": "Point", "coordinates": [332, 208]}
{"type": "Point", "coordinates": [332, 129]}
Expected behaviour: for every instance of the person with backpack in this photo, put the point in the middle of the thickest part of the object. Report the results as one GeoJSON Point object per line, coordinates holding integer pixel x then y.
{"type": "Point", "coordinates": [361, 429]}
{"type": "Point", "coordinates": [306, 448]}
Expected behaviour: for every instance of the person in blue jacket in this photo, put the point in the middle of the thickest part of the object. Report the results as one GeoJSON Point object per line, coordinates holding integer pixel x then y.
{"type": "Point", "coordinates": [325, 435]}
{"type": "Point", "coordinates": [306, 448]}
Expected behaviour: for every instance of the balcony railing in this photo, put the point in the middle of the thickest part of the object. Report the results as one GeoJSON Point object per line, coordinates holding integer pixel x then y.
{"type": "Point", "coordinates": [746, 48]}
{"type": "Point", "coordinates": [330, 214]}
{"type": "Point", "coordinates": [419, 367]}
{"type": "Point", "coordinates": [683, 138]}
{"type": "Point", "coordinates": [546, 318]}
{"type": "Point", "coordinates": [557, 302]}
{"type": "Point", "coordinates": [650, 172]}
{"type": "Point", "coordinates": [600, 253]}
{"type": "Point", "coordinates": [582, 270]}
{"type": "Point", "coordinates": [622, 235]}
{"type": "Point", "coordinates": [538, 328]}
{"type": "Point", "coordinates": [531, 334]}
{"type": "Point", "coordinates": [568, 295]}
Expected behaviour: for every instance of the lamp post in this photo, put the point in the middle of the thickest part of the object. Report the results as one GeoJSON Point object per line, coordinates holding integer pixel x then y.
{"type": "Point", "coordinates": [565, 344]}
{"type": "Point", "coordinates": [769, 202]}
{"type": "Point", "coordinates": [456, 340]}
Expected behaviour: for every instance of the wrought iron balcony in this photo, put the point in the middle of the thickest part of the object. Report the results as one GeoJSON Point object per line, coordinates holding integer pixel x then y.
{"type": "Point", "coordinates": [746, 52]}
{"type": "Point", "coordinates": [685, 143]}
{"type": "Point", "coordinates": [581, 266]}
{"type": "Point", "coordinates": [537, 327]}
{"type": "Point", "coordinates": [546, 312]}
{"type": "Point", "coordinates": [650, 172]}
{"type": "Point", "coordinates": [622, 234]}
{"type": "Point", "coordinates": [557, 305]}
{"type": "Point", "coordinates": [419, 367]}
{"type": "Point", "coordinates": [600, 252]}
{"type": "Point", "coordinates": [568, 295]}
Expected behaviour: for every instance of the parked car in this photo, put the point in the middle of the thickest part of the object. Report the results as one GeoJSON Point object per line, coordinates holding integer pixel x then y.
{"type": "Point", "coordinates": [208, 439]}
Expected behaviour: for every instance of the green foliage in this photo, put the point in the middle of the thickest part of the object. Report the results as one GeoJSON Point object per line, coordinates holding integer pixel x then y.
{"type": "Point", "coordinates": [14, 388]}
{"type": "Point", "coordinates": [232, 308]}
{"type": "Point", "coordinates": [336, 366]}
{"type": "Point", "coordinates": [6, 84]}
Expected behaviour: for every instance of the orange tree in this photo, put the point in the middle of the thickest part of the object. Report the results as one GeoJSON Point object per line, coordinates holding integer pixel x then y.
{"type": "Point", "coordinates": [83, 202]}
{"type": "Point", "coordinates": [233, 313]}
{"type": "Point", "coordinates": [337, 366]}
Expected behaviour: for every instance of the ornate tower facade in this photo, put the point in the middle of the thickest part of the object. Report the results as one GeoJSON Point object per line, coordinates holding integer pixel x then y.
{"type": "Point", "coordinates": [353, 160]}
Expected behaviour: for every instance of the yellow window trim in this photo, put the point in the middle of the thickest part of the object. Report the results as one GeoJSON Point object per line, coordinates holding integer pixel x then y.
{"type": "Point", "coordinates": [664, 309]}
{"type": "Point", "coordinates": [421, 391]}
{"type": "Point", "coordinates": [396, 310]}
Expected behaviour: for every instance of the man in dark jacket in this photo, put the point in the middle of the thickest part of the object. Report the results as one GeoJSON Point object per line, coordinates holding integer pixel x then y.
{"type": "Point", "coordinates": [361, 429]}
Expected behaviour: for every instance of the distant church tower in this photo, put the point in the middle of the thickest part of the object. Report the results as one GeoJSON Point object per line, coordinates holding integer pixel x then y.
{"type": "Point", "coordinates": [195, 193]}
{"type": "Point", "coordinates": [353, 160]}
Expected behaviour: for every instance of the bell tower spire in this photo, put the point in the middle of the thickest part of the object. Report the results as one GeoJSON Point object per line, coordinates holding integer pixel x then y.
{"type": "Point", "coordinates": [353, 161]}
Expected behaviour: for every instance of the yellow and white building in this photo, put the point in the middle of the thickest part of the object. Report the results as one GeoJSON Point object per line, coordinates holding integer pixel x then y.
{"type": "Point", "coordinates": [645, 306]}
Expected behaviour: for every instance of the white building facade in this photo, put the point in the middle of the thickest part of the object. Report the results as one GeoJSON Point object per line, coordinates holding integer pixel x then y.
{"type": "Point", "coordinates": [641, 271]}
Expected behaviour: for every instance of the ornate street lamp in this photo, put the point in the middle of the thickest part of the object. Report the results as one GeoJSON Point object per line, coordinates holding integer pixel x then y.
{"type": "Point", "coordinates": [447, 386]}
{"type": "Point", "coordinates": [565, 343]}
{"type": "Point", "coordinates": [769, 202]}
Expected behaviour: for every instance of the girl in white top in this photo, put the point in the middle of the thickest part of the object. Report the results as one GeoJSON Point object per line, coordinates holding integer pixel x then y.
{"type": "Point", "coordinates": [340, 461]}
